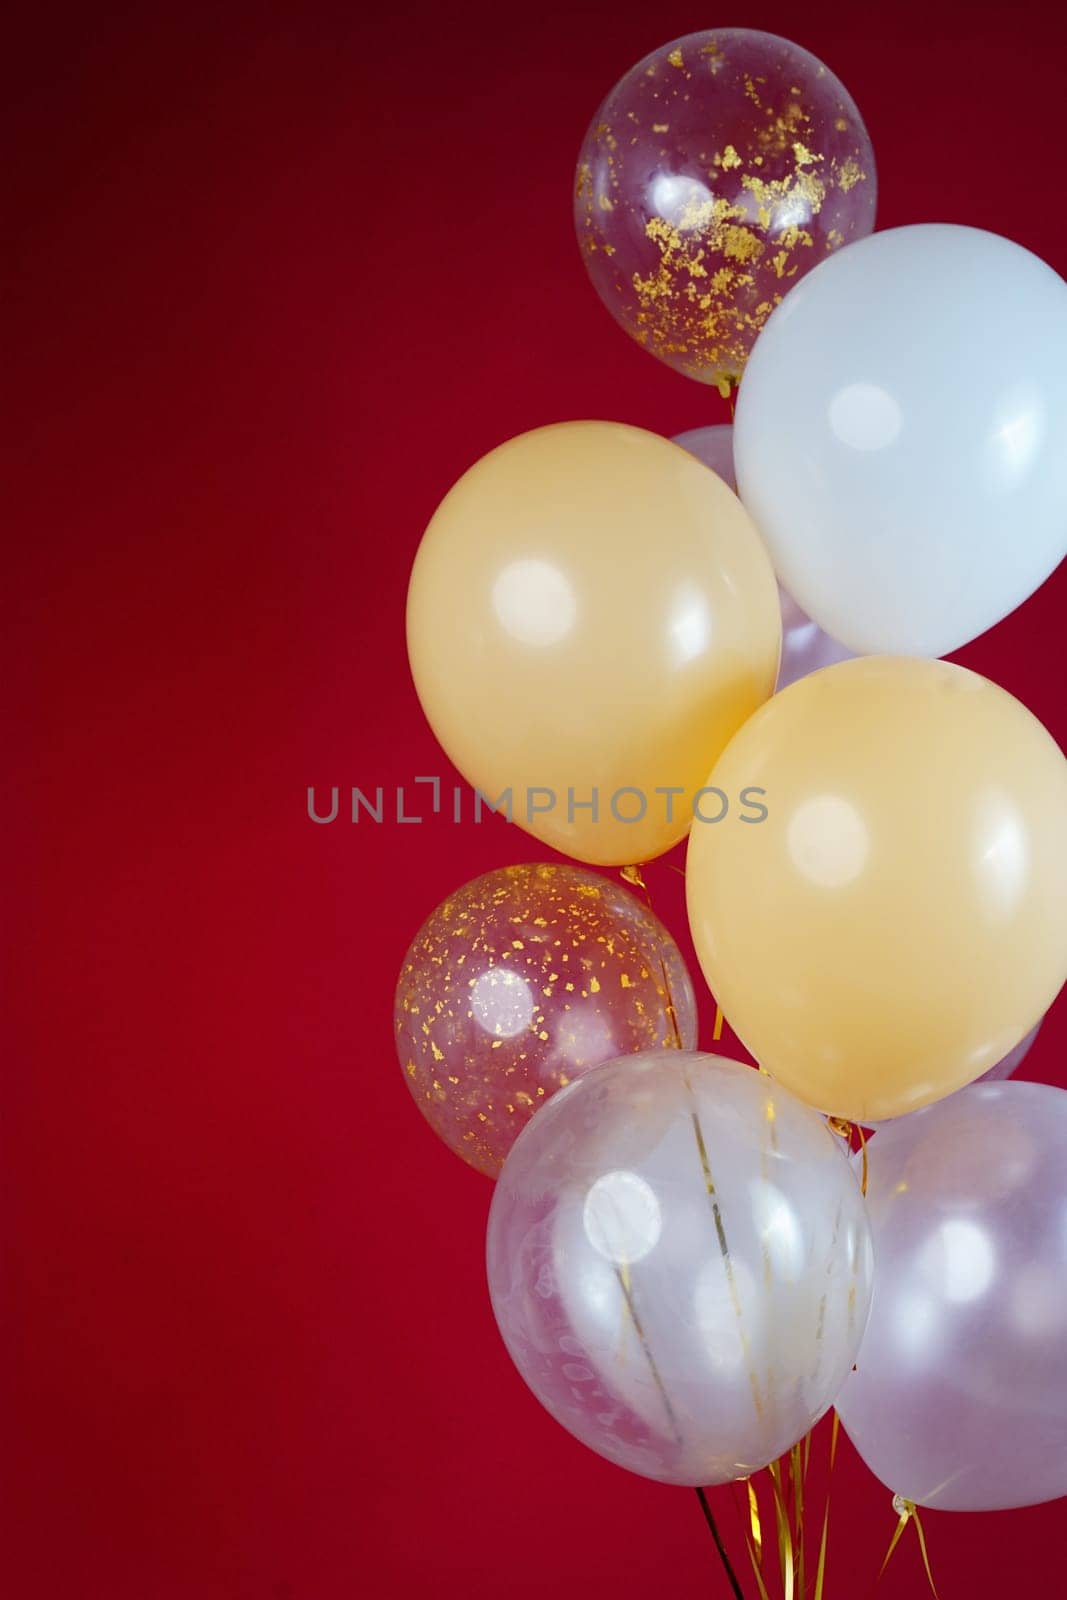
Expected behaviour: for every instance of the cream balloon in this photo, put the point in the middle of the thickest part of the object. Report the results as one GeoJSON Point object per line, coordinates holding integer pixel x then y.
{"type": "Point", "coordinates": [898, 921]}
{"type": "Point", "coordinates": [591, 616]}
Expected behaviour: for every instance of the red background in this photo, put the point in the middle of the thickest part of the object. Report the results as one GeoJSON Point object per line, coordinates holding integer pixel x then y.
{"type": "Point", "coordinates": [279, 276]}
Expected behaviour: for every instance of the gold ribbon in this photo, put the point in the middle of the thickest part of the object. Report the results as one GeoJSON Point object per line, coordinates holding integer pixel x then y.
{"type": "Point", "coordinates": [863, 1147]}
{"type": "Point", "coordinates": [845, 1130]}
{"type": "Point", "coordinates": [753, 1517]}
{"type": "Point", "coordinates": [908, 1512]}
{"type": "Point", "coordinates": [786, 1552]}
{"type": "Point", "coordinates": [636, 878]}
{"type": "Point", "coordinates": [820, 1570]}
{"type": "Point", "coordinates": [754, 1540]}
{"type": "Point", "coordinates": [796, 1479]}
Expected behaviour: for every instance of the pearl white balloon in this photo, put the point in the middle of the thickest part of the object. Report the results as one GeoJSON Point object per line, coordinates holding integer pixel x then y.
{"type": "Point", "coordinates": [680, 1264]}
{"type": "Point", "coordinates": [805, 647]}
{"type": "Point", "coordinates": [900, 435]}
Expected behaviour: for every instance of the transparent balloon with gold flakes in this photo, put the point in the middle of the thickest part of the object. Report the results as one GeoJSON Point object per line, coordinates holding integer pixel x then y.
{"type": "Point", "coordinates": [517, 984]}
{"type": "Point", "coordinates": [680, 1264]}
{"type": "Point", "coordinates": [717, 172]}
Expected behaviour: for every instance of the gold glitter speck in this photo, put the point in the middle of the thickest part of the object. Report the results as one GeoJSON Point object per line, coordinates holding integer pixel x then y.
{"type": "Point", "coordinates": [849, 175]}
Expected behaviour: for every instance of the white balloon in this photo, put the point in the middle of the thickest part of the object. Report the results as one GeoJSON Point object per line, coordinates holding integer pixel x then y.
{"type": "Point", "coordinates": [901, 437]}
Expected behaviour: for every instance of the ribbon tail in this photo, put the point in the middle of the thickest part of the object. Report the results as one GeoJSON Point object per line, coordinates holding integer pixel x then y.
{"type": "Point", "coordinates": [925, 1555]}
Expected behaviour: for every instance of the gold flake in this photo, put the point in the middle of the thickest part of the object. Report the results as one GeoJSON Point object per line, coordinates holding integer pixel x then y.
{"type": "Point", "coordinates": [849, 175]}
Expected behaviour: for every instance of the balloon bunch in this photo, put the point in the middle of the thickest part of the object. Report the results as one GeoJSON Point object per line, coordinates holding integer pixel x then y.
{"type": "Point", "coordinates": [682, 1252]}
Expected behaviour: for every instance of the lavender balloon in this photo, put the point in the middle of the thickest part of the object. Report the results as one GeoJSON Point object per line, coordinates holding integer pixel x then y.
{"type": "Point", "coordinates": [1012, 1061]}
{"type": "Point", "coordinates": [680, 1263]}
{"type": "Point", "coordinates": [959, 1400]}
{"type": "Point", "coordinates": [805, 648]}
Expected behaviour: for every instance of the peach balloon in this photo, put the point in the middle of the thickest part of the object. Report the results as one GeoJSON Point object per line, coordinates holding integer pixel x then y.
{"type": "Point", "coordinates": [898, 921]}
{"type": "Point", "coordinates": [591, 616]}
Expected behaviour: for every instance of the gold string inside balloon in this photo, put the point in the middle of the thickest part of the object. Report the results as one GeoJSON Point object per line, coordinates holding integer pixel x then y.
{"type": "Point", "coordinates": [622, 1274]}
{"type": "Point", "coordinates": [789, 1502]}
{"type": "Point", "coordinates": [634, 876]}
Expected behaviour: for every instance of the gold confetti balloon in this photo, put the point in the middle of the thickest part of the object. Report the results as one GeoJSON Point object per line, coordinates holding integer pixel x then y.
{"type": "Point", "coordinates": [717, 172]}
{"type": "Point", "coordinates": [517, 984]}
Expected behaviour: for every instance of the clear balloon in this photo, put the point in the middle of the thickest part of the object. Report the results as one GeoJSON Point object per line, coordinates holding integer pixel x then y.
{"type": "Point", "coordinates": [717, 172]}
{"type": "Point", "coordinates": [591, 616]}
{"type": "Point", "coordinates": [898, 921]}
{"type": "Point", "coordinates": [521, 981]}
{"type": "Point", "coordinates": [959, 1400]}
{"type": "Point", "coordinates": [680, 1265]}
{"type": "Point", "coordinates": [805, 648]}
{"type": "Point", "coordinates": [911, 488]}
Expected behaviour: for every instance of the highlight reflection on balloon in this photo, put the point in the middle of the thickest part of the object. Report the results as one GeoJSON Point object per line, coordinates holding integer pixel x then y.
{"type": "Point", "coordinates": [680, 1265]}
{"type": "Point", "coordinates": [959, 1400]}
{"type": "Point", "coordinates": [898, 922]}
{"type": "Point", "coordinates": [718, 171]}
{"type": "Point", "coordinates": [805, 647]}
{"type": "Point", "coordinates": [518, 983]}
